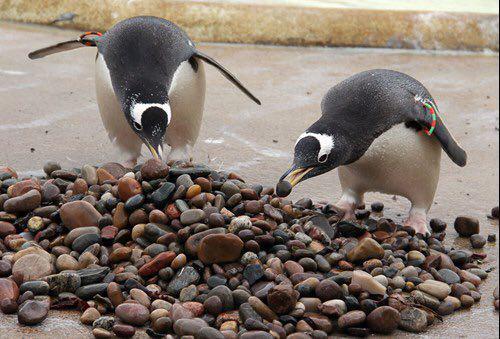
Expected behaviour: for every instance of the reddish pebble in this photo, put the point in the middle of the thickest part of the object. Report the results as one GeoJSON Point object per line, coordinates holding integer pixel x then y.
{"type": "Point", "coordinates": [158, 217]}
{"type": "Point", "coordinates": [128, 187]}
{"type": "Point", "coordinates": [109, 233]}
{"type": "Point", "coordinates": [8, 289]}
{"type": "Point", "coordinates": [8, 306]}
{"type": "Point", "coordinates": [160, 261]}
{"type": "Point", "coordinates": [172, 212]}
{"type": "Point", "coordinates": [24, 187]}
{"type": "Point", "coordinates": [6, 228]}
{"type": "Point", "coordinates": [125, 331]}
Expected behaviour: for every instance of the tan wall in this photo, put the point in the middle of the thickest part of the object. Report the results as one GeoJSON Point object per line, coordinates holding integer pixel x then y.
{"type": "Point", "coordinates": [283, 25]}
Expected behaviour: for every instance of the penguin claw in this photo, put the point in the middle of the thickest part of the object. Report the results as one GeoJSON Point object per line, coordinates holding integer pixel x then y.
{"type": "Point", "coordinates": [130, 163]}
{"type": "Point", "coordinates": [348, 210]}
{"type": "Point", "coordinates": [180, 163]}
{"type": "Point", "coordinates": [419, 226]}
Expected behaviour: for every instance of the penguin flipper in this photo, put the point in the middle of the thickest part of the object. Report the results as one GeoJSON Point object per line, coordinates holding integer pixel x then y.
{"type": "Point", "coordinates": [456, 153]}
{"type": "Point", "coordinates": [227, 74]}
{"type": "Point", "coordinates": [60, 47]}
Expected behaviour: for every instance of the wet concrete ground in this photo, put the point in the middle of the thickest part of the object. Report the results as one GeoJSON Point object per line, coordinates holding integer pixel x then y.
{"type": "Point", "coordinates": [48, 111]}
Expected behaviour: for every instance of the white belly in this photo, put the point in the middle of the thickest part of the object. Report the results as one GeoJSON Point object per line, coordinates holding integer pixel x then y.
{"type": "Point", "coordinates": [187, 100]}
{"type": "Point", "coordinates": [400, 162]}
{"type": "Point", "coordinates": [113, 118]}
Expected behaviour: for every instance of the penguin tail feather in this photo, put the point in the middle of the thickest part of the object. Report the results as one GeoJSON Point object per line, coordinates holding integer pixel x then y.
{"type": "Point", "coordinates": [209, 60]}
{"type": "Point", "coordinates": [456, 153]}
{"type": "Point", "coordinates": [420, 114]}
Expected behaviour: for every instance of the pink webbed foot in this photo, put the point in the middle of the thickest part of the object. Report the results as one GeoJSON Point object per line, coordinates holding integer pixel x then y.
{"type": "Point", "coordinates": [130, 164]}
{"type": "Point", "coordinates": [349, 210]}
{"type": "Point", "coordinates": [418, 221]}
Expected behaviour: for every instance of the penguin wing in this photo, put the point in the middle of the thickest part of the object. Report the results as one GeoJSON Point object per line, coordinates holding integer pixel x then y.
{"type": "Point", "coordinates": [60, 47]}
{"type": "Point", "coordinates": [227, 74]}
{"type": "Point", "coordinates": [420, 114]}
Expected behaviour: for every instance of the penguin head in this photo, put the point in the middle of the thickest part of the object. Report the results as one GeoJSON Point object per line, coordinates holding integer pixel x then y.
{"type": "Point", "coordinates": [315, 153]}
{"type": "Point", "coordinates": [150, 121]}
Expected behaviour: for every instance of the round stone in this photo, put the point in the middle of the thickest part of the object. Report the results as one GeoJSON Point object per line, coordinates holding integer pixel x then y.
{"type": "Point", "coordinates": [435, 288]}
{"type": "Point", "coordinates": [51, 166]}
{"type": "Point", "coordinates": [209, 333]}
{"type": "Point", "coordinates": [352, 319]}
{"type": "Point", "coordinates": [79, 214]}
{"type": "Point", "coordinates": [183, 279]}
{"type": "Point", "coordinates": [128, 187]}
{"type": "Point", "coordinates": [449, 276]}
{"type": "Point", "coordinates": [368, 283]}
{"type": "Point", "coordinates": [81, 243]}
{"type": "Point", "coordinates": [8, 289]}
{"type": "Point", "coordinates": [6, 228]}
{"type": "Point", "coordinates": [328, 290]}
{"type": "Point", "coordinates": [466, 226]}
{"type": "Point", "coordinates": [5, 268]}
{"type": "Point", "coordinates": [365, 250]}
{"type": "Point", "coordinates": [190, 217]}
{"type": "Point", "coordinates": [438, 225]}
{"type": "Point", "coordinates": [413, 320]}
{"type": "Point", "coordinates": [32, 312]}
{"type": "Point", "coordinates": [154, 169]}
{"type": "Point", "coordinates": [282, 298]}
{"type": "Point", "coordinates": [133, 314]}
{"type": "Point", "coordinates": [124, 331]}
{"type": "Point", "coordinates": [8, 306]}
{"type": "Point", "coordinates": [495, 212]}
{"type": "Point", "coordinates": [477, 241]}
{"type": "Point", "coordinates": [89, 316]}
{"type": "Point", "coordinates": [213, 305]}
{"type": "Point", "coordinates": [283, 189]}
{"type": "Point", "coordinates": [31, 267]}
{"type": "Point", "coordinates": [383, 320]}
{"type": "Point", "coordinates": [24, 203]}
{"type": "Point", "coordinates": [105, 323]}
{"type": "Point", "coordinates": [220, 248]}
{"type": "Point", "coordinates": [89, 174]}
{"type": "Point", "coordinates": [184, 327]}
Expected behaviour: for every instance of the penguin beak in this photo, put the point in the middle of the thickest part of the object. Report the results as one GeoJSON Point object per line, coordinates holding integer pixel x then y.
{"type": "Point", "coordinates": [157, 151]}
{"type": "Point", "coordinates": [295, 175]}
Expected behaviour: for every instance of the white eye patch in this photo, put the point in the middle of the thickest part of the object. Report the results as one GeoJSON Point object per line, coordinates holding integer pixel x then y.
{"type": "Point", "coordinates": [139, 108]}
{"type": "Point", "coordinates": [325, 141]}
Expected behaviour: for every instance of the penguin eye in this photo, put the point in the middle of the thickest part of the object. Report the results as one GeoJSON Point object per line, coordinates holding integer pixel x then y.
{"type": "Point", "coordinates": [137, 126]}
{"type": "Point", "coordinates": [322, 159]}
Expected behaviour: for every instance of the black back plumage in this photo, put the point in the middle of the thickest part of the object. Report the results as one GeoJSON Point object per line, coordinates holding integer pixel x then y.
{"type": "Point", "coordinates": [144, 52]}
{"type": "Point", "coordinates": [364, 106]}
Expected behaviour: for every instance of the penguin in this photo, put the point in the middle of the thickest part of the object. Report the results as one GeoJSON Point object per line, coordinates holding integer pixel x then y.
{"type": "Point", "coordinates": [383, 131]}
{"type": "Point", "coordinates": [150, 84]}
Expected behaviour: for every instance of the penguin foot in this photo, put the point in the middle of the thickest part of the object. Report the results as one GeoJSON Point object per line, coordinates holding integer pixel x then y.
{"type": "Point", "coordinates": [130, 163]}
{"type": "Point", "coordinates": [349, 211]}
{"type": "Point", "coordinates": [348, 203]}
{"type": "Point", "coordinates": [180, 163]}
{"type": "Point", "coordinates": [418, 222]}
{"type": "Point", "coordinates": [181, 156]}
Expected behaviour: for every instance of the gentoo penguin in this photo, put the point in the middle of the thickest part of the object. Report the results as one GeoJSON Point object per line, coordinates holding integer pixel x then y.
{"type": "Point", "coordinates": [382, 130]}
{"type": "Point", "coordinates": [149, 76]}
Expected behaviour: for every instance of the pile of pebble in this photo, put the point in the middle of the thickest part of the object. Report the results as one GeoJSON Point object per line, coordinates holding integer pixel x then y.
{"type": "Point", "coordinates": [201, 254]}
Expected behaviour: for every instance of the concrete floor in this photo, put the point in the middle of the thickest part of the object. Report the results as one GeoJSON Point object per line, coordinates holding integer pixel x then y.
{"type": "Point", "coordinates": [49, 112]}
